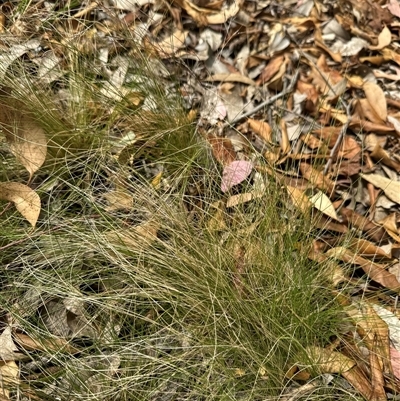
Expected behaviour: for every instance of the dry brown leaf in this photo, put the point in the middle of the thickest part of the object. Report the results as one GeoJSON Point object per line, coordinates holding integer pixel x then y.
{"type": "Point", "coordinates": [364, 247]}
{"type": "Point", "coordinates": [393, 55]}
{"type": "Point", "coordinates": [311, 92]}
{"type": "Point", "coordinates": [376, 98]}
{"type": "Point", "coordinates": [395, 360]}
{"type": "Point", "coordinates": [173, 43]}
{"type": "Point", "coordinates": [273, 155]}
{"type": "Point", "coordinates": [9, 373]}
{"type": "Point", "coordinates": [349, 148]}
{"type": "Point", "coordinates": [222, 149]}
{"type": "Point", "coordinates": [320, 43]}
{"type": "Point", "coordinates": [327, 224]}
{"type": "Point", "coordinates": [374, 270]}
{"type": "Point", "coordinates": [136, 238]}
{"type": "Point", "coordinates": [26, 200]}
{"type": "Point", "coordinates": [390, 188]}
{"type": "Point", "coordinates": [328, 134]}
{"type": "Point", "coordinates": [357, 378]}
{"type": "Point", "coordinates": [313, 143]}
{"type": "Point", "coordinates": [271, 69]}
{"type": "Point", "coordinates": [373, 330]}
{"type": "Point", "coordinates": [261, 128]}
{"type": "Point", "coordinates": [7, 347]}
{"type": "Point", "coordinates": [384, 39]}
{"type": "Point", "coordinates": [377, 379]}
{"type": "Point", "coordinates": [364, 110]}
{"type": "Point", "coordinates": [323, 204]}
{"type": "Point", "coordinates": [25, 137]}
{"type": "Point", "coordinates": [390, 223]}
{"type": "Point", "coordinates": [55, 344]}
{"type": "Point", "coordinates": [238, 199]}
{"type": "Point", "coordinates": [328, 361]}
{"type": "Point", "coordinates": [204, 16]}
{"type": "Point", "coordinates": [230, 78]}
{"type": "Point", "coordinates": [299, 198]}
{"type": "Point", "coordinates": [118, 200]}
{"type": "Point", "coordinates": [285, 143]}
{"type": "Point", "coordinates": [380, 155]}
{"type": "Point", "coordinates": [367, 126]}
{"type": "Point", "coordinates": [372, 230]}
{"type": "Point", "coordinates": [316, 177]}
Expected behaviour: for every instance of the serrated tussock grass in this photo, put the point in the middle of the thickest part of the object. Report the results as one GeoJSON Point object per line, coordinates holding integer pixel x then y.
{"type": "Point", "coordinates": [175, 297]}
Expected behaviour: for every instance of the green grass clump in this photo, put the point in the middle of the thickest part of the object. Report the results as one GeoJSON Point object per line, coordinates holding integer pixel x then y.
{"type": "Point", "coordinates": [176, 297]}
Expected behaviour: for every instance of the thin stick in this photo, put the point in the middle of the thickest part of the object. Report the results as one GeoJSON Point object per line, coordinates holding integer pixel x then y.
{"type": "Point", "coordinates": [269, 101]}
{"type": "Point", "coordinates": [340, 137]}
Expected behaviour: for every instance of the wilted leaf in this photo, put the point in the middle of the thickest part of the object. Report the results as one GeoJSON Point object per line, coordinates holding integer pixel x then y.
{"type": "Point", "coordinates": [390, 187]}
{"type": "Point", "coordinates": [30, 149]}
{"type": "Point", "coordinates": [285, 142]}
{"type": "Point", "coordinates": [26, 200]}
{"type": "Point", "coordinates": [235, 173]}
{"type": "Point", "coordinates": [230, 78]}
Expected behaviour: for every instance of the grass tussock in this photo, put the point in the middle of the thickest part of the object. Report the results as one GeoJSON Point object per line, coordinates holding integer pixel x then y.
{"type": "Point", "coordinates": [138, 282]}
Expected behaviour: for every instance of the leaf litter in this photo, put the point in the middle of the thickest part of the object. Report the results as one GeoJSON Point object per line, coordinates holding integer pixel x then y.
{"type": "Point", "coordinates": [308, 90]}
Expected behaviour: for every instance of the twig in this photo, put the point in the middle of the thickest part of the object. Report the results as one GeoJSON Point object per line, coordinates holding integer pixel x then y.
{"type": "Point", "coordinates": [269, 101]}
{"type": "Point", "coordinates": [340, 137]}
{"type": "Point", "coordinates": [86, 10]}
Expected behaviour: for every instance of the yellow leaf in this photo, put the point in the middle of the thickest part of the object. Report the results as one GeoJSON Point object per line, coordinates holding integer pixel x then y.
{"type": "Point", "coordinates": [26, 200]}
{"type": "Point", "coordinates": [156, 181]}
